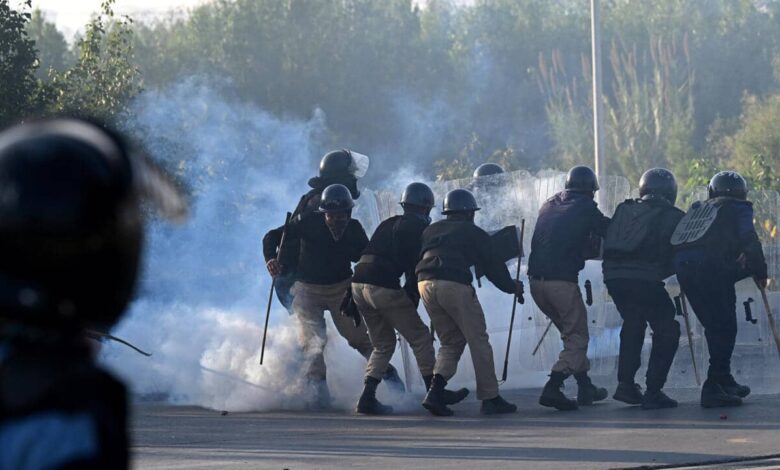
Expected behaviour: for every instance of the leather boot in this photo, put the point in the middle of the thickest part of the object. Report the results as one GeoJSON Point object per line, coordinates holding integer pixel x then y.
{"type": "Point", "coordinates": [496, 406]}
{"type": "Point", "coordinates": [434, 400]}
{"type": "Point", "coordinates": [732, 387]}
{"type": "Point", "coordinates": [553, 397]}
{"type": "Point", "coordinates": [450, 397]}
{"type": "Point", "coordinates": [713, 396]}
{"type": "Point", "coordinates": [630, 393]}
{"type": "Point", "coordinates": [587, 393]}
{"type": "Point", "coordinates": [368, 404]}
{"type": "Point", "coordinates": [657, 399]}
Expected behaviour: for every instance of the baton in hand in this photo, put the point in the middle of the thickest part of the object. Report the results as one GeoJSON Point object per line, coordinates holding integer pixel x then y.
{"type": "Point", "coordinates": [273, 284]}
{"type": "Point", "coordinates": [514, 304]}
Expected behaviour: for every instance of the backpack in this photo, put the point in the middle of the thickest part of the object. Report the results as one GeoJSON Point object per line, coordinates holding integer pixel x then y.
{"type": "Point", "coordinates": [634, 221]}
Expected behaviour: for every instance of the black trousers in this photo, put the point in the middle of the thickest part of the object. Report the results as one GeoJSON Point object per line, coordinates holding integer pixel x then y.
{"type": "Point", "coordinates": [713, 297]}
{"type": "Point", "coordinates": [641, 303]}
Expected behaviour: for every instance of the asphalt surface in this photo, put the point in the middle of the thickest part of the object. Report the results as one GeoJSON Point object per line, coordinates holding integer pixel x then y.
{"type": "Point", "coordinates": [607, 435]}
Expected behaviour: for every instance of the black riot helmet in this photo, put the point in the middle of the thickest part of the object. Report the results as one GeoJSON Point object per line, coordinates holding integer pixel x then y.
{"type": "Point", "coordinates": [417, 194]}
{"type": "Point", "coordinates": [343, 163]}
{"type": "Point", "coordinates": [582, 179]}
{"type": "Point", "coordinates": [70, 224]}
{"type": "Point", "coordinates": [658, 182]}
{"type": "Point", "coordinates": [336, 198]}
{"type": "Point", "coordinates": [728, 184]}
{"type": "Point", "coordinates": [459, 200]}
{"type": "Point", "coordinates": [487, 169]}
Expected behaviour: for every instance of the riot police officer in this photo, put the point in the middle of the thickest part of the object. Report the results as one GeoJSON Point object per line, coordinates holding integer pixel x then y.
{"type": "Point", "coordinates": [716, 245]}
{"type": "Point", "coordinates": [343, 167]}
{"type": "Point", "coordinates": [450, 247]}
{"type": "Point", "coordinates": [71, 232]}
{"type": "Point", "coordinates": [567, 223]}
{"type": "Point", "coordinates": [393, 251]}
{"type": "Point", "coordinates": [638, 257]}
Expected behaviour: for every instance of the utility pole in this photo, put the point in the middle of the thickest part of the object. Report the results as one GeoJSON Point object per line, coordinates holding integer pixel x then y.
{"type": "Point", "coordinates": [598, 114]}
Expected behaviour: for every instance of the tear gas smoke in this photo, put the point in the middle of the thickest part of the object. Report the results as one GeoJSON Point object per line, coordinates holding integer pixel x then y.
{"type": "Point", "coordinates": [200, 304]}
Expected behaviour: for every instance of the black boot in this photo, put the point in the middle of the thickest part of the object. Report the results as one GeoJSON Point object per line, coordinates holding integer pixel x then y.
{"type": "Point", "coordinates": [434, 400]}
{"type": "Point", "coordinates": [713, 396]}
{"type": "Point", "coordinates": [587, 393]}
{"type": "Point", "coordinates": [630, 393]}
{"type": "Point", "coordinates": [450, 397]}
{"type": "Point", "coordinates": [552, 395]}
{"type": "Point", "coordinates": [657, 399]}
{"type": "Point", "coordinates": [732, 387]}
{"type": "Point", "coordinates": [393, 380]}
{"type": "Point", "coordinates": [496, 406]}
{"type": "Point", "coordinates": [368, 404]}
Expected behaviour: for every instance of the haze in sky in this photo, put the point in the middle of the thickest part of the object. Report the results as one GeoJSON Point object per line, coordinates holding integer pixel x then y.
{"type": "Point", "coordinates": [71, 15]}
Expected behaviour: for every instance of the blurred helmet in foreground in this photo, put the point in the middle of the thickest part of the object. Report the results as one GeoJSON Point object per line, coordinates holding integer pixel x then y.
{"type": "Point", "coordinates": [71, 226]}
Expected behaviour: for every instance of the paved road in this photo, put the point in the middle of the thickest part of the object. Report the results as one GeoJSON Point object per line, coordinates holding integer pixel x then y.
{"type": "Point", "coordinates": [609, 435]}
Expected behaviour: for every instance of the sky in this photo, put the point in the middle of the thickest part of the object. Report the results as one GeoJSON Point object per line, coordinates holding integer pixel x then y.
{"type": "Point", "coordinates": [71, 15]}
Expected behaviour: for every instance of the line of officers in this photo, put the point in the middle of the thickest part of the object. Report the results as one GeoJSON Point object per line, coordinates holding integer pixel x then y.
{"type": "Point", "coordinates": [647, 241]}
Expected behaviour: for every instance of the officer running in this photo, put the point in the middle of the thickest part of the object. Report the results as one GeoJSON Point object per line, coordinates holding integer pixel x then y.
{"type": "Point", "coordinates": [716, 245]}
{"type": "Point", "coordinates": [638, 256]}
{"type": "Point", "coordinates": [71, 233]}
{"type": "Point", "coordinates": [567, 223]}
{"type": "Point", "coordinates": [394, 250]}
{"type": "Point", "coordinates": [450, 247]}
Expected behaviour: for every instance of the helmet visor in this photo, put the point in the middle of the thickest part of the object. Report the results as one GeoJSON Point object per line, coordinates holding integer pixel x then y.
{"type": "Point", "coordinates": [359, 166]}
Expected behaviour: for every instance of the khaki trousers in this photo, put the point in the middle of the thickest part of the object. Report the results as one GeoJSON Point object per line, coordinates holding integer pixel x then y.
{"type": "Point", "coordinates": [458, 320]}
{"type": "Point", "coordinates": [309, 305]}
{"type": "Point", "coordinates": [385, 311]}
{"type": "Point", "coordinates": [562, 302]}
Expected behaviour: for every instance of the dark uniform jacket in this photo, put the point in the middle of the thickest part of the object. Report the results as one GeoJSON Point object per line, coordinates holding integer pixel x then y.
{"type": "Point", "coordinates": [308, 203]}
{"type": "Point", "coordinates": [731, 234]}
{"type": "Point", "coordinates": [323, 260]}
{"type": "Point", "coordinates": [394, 250]}
{"type": "Point", "coordinates": [451, 247]}
{"type": "Point", "coordinates": [653, 258]}
{"type": "Point", "coordinates": [59, 410]}
{"type": "Point", "coordinates": [565, 225]}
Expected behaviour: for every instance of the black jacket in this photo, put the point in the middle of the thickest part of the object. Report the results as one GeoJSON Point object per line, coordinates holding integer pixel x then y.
{"type": "Point", "coordinates": [393, 250]}
{"type": "Point", "coordinates": [565, 224]}
{"type": "Point", "coordinates": [731, 234]}
{"type": "Point", "coordinates": [323, 260]}
{"type": "Point", "coordinates": [308, 203]}
{"type": "Point", "coordinates": [60, 410]}
{"type": "Point", "coordinates": [653, 258]}
{"type": "Point", "coordinates": [451, 247]}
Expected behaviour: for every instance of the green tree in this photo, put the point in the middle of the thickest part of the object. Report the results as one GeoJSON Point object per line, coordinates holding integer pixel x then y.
{"type": "Point", "coordinates": [104, 78]}
{"type": "Point", "coordinates": [756, 145]}
{"type": "Point", "coordinates": [53, 51]}
{"type": "Point", "coordinates": [18, 62]}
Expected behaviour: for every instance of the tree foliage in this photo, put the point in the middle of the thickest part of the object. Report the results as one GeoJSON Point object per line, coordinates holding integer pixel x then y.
{"type": "Point", "coordinates": [18, 62]}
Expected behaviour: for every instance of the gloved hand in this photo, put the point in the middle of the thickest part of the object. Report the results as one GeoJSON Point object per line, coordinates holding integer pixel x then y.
{"type": "Point", "coordinates": [761, 283]}
{"type": "Point", "coordinates": [519, 291]}
{"type": "Point", "coordinates": [349, 309]}
{"type": "Point", "coordinates": [274, 267]}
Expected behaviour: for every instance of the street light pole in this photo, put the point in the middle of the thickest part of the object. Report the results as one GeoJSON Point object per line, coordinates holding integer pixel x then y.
{"type": "Point", "coordinates": [598, 115]}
